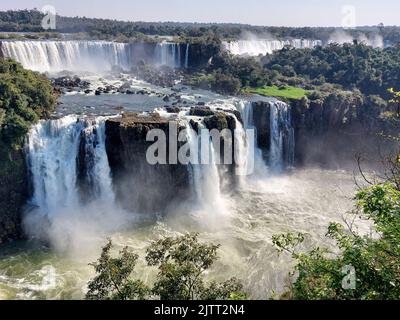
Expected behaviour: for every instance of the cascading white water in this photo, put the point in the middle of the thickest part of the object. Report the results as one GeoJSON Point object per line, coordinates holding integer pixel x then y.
{"type": "Point", "coordinates": [95, 56]}
{"type": "Point", "coordinates": [282, 139]}
{"type": "Point", "coordinates": [257, 47]}
{"type": "Point", "coordinates": [170, 54]}
{"type": "Point", "coordinates": [246, 152]}
{"type": "Point", "coordinates": [98, 173]}
{"type": "Point", "coordinates": [55, 56]}
{"type": "Point", "coordinates": [252, 151]}
{"type": "Point", "coordinates": [282, 136]}
{"type": "Point", "coordinates": [52, 152]}
{"type": "Point", "coordinates": [187, 56]}
{"type": "Point", "coordinates": [205, 177]}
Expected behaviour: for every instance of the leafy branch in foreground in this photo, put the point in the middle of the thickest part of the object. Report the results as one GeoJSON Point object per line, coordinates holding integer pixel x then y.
{"type": "Point", "coordinates": [376, 259]}
{"type": "Point", "coordinates": [181, 262]}
{"type": "Point", "coordinates": [114, 277]}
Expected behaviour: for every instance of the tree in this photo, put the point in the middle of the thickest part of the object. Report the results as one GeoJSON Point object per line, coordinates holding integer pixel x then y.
{"type": "Point", "coordinates": [395, 100]}
{"type": "Point", "coordinates": [320, 272]}
{"type": "Point", "coordinates": [114, 277]}
{"type": "Point", "coordinates": [181, 262]}
{"type": "Point", "coordinates": [25, 97]}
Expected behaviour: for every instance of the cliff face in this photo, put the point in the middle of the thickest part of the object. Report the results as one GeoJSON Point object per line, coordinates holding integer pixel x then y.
{"type": "Point", "coordinates": [261, 118]}
{"type": "Point", "coordinates": [200, 54]}
{"type": "Point", "coordinates": [147, 188]}
{"type": "Point", "coordinates": [334, 131]}
{"type": "Point", "coordinates": [14, 193]}
{"type": "Point", "coordinates": [126, 147]}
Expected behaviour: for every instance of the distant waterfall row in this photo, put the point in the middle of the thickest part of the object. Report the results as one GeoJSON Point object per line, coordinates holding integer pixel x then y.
{"type": "Point", "coordinates": [257, 47]}
{"type": "Point", "coordinates": [55, 56]}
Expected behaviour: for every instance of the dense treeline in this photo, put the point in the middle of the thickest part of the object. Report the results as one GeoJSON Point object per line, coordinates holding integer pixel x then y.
{"type": "Point", "coordinates": [25, 96]}
{"type": "Point", "coordinates": [30, 21]}
{"type": "Point", "coordinates": [353, 66]}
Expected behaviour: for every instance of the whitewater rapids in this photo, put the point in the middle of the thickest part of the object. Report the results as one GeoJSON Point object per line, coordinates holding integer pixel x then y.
{"type": "Point", "coordinates": [303, 201]}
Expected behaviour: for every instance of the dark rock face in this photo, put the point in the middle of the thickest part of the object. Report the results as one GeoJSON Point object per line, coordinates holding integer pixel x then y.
{"type": "Point", "coordinates": [70, 83]}
{"type": "Point", "coordinates": [333, 131]}
{"type": "Point", "coordinates": [172, 109]}
{"type": "Point", "coordinates": [14, 193]}
{"type": "Point", "coordinates": [261, 119]}
{"type": "Point", "coordinates": [201, 111]}
{"type": "Point", "coordinates": [201, 53]}
{"type": "Point", "coordinates": [139, 186]}
{"type": "Point", "coordinates": [145, 188]}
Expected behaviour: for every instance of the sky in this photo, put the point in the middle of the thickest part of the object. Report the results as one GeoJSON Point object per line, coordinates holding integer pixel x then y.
{"type": "Point", "coordinates": [257, 12]}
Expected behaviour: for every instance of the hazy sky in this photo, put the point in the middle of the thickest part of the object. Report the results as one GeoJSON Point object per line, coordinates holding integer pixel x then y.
{"type": "Point", "coordinates": [258, 12]}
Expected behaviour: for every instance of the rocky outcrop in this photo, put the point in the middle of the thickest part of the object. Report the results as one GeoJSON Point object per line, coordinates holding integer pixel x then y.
{"type": "Point", "coordinates": [14, 193]}
{"type": "Point", "coordinates": [261, 120]}
{"type": "Point", "coordinates": [126, 146]}
{"type": "Point", "coordinates": [332, 131]}
{"type": "Point", "coordinates": [202, 53]}
{"type": "Point", "coordinates": [161, 185]}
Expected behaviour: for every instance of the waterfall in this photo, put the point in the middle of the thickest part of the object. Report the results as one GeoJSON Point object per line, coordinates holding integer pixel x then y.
{"type": "Point", "coordinates": [281, 133]}
{"type": "Point", "coordinates": [55, 56]}
{"type": "Point", "coordinates": [187, 56]}
{"type": "Point", "coordinates": [252, 151]}
{"type": "Point", "coordinates": [170, 54]}
{"type": "Point", "coordinates": [94, 56]}
{"type": "Point", "coordinates": [257, 47]}
{"type": "Point", "coordinates": [282, 136]}
{"type": "Point", "coordinates": [205, 178]}
{"type": "Point", "coordinates": [54, 148]}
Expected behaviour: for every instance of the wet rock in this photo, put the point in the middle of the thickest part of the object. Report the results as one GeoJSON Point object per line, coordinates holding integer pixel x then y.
{"type": "Point", "coordinates": [70, 83]}
{"type": "Point", "coordinates": [201, 111]}
{"type": "Point", "coordinates": [172, 109]}
{"type": "Point", "coordinates": [126, 147]}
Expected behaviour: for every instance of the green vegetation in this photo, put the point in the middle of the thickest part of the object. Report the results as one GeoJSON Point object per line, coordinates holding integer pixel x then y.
{"type": "Point", "coordinates": [181, 262]}
{"type": "Point", "coordinates": [30, 21]}
{"type": "Point", "coordinates": [363, 267]}
{"type": "Point", "coordinates": [25, 97]}
{"type": "Point", "coordinates": [286, 92]}
{"type": "Point", "coordinates": [352, 66]}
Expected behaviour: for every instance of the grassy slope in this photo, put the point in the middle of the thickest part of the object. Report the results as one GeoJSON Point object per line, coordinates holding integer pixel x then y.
{"type": "Point", "coordinates": [288, 92]}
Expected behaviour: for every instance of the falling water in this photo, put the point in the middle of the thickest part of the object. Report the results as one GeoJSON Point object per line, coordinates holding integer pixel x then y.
{"type": "Point", "coordinates": [95, 56]}
{"type": "Point", "coordinates": [53, 150]}
{"type": "Point", "coordinates": [187, 56]}
{"type": "Point", "coordinates": [169, 54]}
{"type": "Point", "coordinates": [255, 162]}
{"type": "Point", "coordinates": [54, 56]}
{"type": "Point", "coordinates": [282, 140]}
{"type": "Point", "coordinates": [282, 136]}
{"type": "Point", "coordinates": [205, 177]}
{"type": "Point", "coordinates": [257, 47]}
